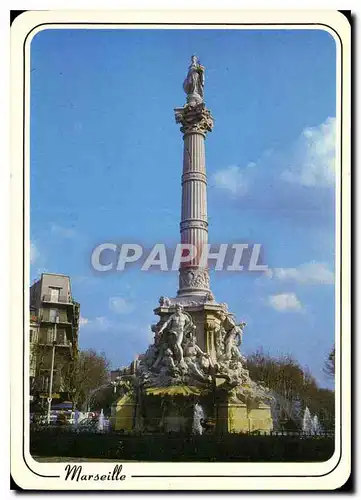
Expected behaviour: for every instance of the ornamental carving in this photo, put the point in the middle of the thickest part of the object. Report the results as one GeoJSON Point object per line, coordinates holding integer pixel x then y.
{"type": "Point", "coordinates": [194, 119]}
{"type": "Point", "coordinates": [194, 278]}
{"type": "Point", "coordinates": [193, 223]}
{"type": "Point", "coordinates": [194, 176]}
{"type": "Point", "coordinates": [209, 297]}
{"type": "Point", "coordinates": [164, 301]}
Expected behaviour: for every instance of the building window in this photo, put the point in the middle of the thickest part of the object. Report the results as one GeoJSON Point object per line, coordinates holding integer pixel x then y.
{"type": "Point", "coordinates": [61, 336]}
{"type": "Point", "coordinates": [31, 336]}
{"type": "Point", "coordinates": [54, 294]}
{"type": "Point", "coordinates": [50, 336]}
{"type": "Point", "coordinates": [45, 383]}
{"type": "Point", "coordinates": [43, 335]}
{"type": "Point", "coordinates": [53, 314]}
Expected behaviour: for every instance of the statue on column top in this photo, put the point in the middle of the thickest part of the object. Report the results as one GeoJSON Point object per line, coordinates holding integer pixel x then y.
{"type": "Point", "coordinates": [193, 116]}
{"type": "Point", "coordinates": [193, 85]}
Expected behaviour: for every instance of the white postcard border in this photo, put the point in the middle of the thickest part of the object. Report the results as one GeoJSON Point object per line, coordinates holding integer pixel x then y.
{"type": "Point", "coordinates": [30, 474]}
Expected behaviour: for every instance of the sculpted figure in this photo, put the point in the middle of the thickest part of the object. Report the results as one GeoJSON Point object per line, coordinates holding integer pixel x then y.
{"type": "Point", "coordinates": [233, 340]}
{"type": "Point", "coordinates": [194, 83]}
{"type": "Point", "coordinates": [168, 365]}
{"type": "Point", "coordinates": [155, 350]}
{"type": "Point", "coordinates": [218, 340]}
{"type": "Point", "coordinates": [164, 302]}
{"type": "Point", "coordinates": [176, 326]}
{"type": "Point", "coordinates": [231, 332]}
{"type": "Point", "coordinates": [193, 353]}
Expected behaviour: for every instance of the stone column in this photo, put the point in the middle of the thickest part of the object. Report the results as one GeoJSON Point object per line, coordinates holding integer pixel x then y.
{"type": "Point", "coordinates": [196, 121]}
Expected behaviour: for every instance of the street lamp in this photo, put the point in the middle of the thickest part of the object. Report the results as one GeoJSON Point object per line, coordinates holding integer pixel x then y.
{"type": "Point", "coordinates": [52, 369]}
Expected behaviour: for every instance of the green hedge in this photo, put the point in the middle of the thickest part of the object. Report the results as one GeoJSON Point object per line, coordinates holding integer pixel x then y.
{"type": "Point", "coordinates": [163, 448]}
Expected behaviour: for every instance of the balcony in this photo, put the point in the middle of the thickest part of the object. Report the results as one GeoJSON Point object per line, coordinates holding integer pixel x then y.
{"type": "Point", "coordinates": [46, 317]}
{"type": "Point", "coordinates": [58, 343]}
{"type": "Point", "coordinates": [59, 299]}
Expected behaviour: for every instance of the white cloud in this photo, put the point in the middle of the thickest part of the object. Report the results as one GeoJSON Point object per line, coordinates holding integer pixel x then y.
{"type": "Point", "coordinates": [100, 323]}
{"type": "Point", "coordinates": [231, 179]}
{"type": "Point", "coordinates": [285, 302]}
{"type": "Point", "coordinates": [280, 176]}
{"type": "Point", "coordinates": [313, 273]}
{"type": "Point", "coordinates": [83, 321]}
{"type": "Point", "coordinates": [34, 253]}
{"type": "Point", "coordinates": [120, 305]}
{"type": "Point", "coordinates": [63, 232]}
{"type": "Point", "coordinates": [313, 158]}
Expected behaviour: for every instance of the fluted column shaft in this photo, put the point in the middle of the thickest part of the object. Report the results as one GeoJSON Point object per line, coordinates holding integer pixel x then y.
{"type": "Point", "coordinates": [194, 225]}
{"type": "Point", "coordinates": [196, 121]}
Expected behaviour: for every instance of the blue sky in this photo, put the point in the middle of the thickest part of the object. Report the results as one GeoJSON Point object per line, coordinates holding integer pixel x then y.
{"type": "Point", "coordinates": [106, 161]}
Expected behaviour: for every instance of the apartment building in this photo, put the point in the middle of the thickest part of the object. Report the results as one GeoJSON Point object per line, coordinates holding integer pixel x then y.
{"type": "Point", "coordinates": [54, 323]}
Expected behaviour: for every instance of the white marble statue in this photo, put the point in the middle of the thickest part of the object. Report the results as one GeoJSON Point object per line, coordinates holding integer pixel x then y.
{"type": "Point", "coordinates": [175, 358]}
{"type": "Point", "coordinates": [194, 358]}
{"type": "Point", "coordinates": [233, 340]}
{"type": "Point", "coordinates": [176, 326]}
{"type": "Point", "coordinates": [193, 85]}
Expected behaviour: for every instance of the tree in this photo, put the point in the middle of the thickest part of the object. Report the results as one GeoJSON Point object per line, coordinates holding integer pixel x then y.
{"type": "Point", "coordinates": [84, 375]}
{"type": "Point", "coordinates": [329, 366]}
{"type": "Point", "coordinates": [104, 398]}
{"type": "Point", "coordinates": [293, 387]}
{"type": "Point", "coordinates": [282, 374]}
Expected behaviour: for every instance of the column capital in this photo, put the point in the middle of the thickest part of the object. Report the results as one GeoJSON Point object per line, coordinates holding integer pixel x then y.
{"type": "Point", "coordinates": [196, 119]}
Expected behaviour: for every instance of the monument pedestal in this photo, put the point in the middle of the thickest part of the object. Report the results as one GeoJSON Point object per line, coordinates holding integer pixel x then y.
{"type": "Point", "coordinates": [260, 418]}
{"type": "Point", "coordinates": [123, 413]}
{"type": "Point", "coordinates": [237, 418]}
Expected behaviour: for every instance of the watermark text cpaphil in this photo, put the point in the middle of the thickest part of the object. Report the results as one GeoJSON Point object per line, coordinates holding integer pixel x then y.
{"type": "Point", "coordinates": [223, 257]}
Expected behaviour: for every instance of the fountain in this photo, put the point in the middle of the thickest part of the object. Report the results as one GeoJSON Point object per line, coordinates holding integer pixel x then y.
{"type": "Point", "coordinates": [307, 422]}
{"type": "Point", "coordinates": [198, 416]}
{"type": "Point", "coordinates": [76, 417]}
{"type": "Point", "coordinates": [316, 426]}
{"type": "Point", "coordinates": [101, 421]}
{"type": "Point", "coordinates": [275, 407]}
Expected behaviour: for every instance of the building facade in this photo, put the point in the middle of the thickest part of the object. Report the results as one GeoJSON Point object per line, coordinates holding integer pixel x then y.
{"type": "Point", "coordinates": [54, 324]}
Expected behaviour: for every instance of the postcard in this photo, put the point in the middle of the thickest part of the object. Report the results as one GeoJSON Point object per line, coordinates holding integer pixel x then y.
{"type": "Point", "coordinates": [180, 275]}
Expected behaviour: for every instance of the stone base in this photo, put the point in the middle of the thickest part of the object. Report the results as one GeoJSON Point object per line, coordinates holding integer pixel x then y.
{"type": "Point", "coordinates": [175, 423]}
{"type": "Point", "coordinates": [260, 419]}
{"type": "Point", "coordinates": [237, 417]}
{"type": "Point", "coordinates": [229, 417]}
{"type": "Point", "coordinates": [167, 414]}
{"type": "Point", "coordinates": [123, 413]}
